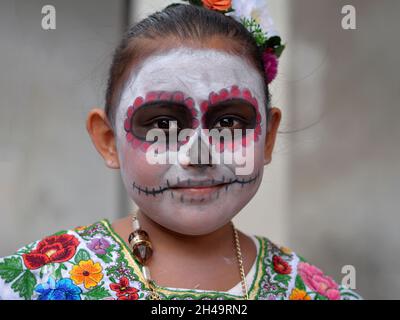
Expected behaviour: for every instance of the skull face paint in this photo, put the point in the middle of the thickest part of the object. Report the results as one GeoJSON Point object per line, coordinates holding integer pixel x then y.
{"type": "Point", "coordinates": [197, 89]}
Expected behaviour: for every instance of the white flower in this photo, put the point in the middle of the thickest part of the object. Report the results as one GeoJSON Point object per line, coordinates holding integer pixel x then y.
{"type": "Point", "coordinates": [256, 9]}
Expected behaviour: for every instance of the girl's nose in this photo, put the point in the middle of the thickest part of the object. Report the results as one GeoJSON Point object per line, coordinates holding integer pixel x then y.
{"type": "Point", "coordinates": [196, 153]}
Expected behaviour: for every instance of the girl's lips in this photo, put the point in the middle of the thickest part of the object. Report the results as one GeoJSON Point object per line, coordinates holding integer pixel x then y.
{"type": "Point", "coordinates": [199, 190]}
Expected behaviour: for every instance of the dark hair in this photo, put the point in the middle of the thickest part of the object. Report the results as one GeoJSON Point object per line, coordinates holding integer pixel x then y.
{"type": "Point", "coordinates": [178, 23]}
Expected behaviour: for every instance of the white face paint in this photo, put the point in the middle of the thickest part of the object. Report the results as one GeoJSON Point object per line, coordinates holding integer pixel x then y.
{"type": "Point", "coordinates": [204, 88]}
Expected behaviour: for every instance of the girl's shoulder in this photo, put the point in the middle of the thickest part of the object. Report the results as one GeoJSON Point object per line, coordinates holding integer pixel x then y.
{"type": "Point", "coordinates": [69, 265]}
{"type": "Point", "coordinates": [287, 275]}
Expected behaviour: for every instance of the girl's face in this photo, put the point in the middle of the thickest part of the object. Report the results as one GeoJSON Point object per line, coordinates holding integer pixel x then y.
{"type": "Point", "coordinates": [196, 90]}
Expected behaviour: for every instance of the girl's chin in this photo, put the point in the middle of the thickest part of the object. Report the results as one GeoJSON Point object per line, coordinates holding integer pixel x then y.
{"type": "Point", "coordinates": [193, 221]}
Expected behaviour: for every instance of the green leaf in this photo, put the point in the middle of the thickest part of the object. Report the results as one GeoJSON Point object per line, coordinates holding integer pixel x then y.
{"type": "Point", "coordinates": [25, 285]}
{"type": "Point", "coordinates": [282, 278]}
{"type": "Point", "coordinates": [320, 297]}
{"type": "Point", "coordinates": [97, 293]}
{"type": "Point", "coordinates": [26, 249]}
{"type": "Point", "coordinates": [274, 41]}
{"type": "Point", "coordinates": [57, 273]}
{"type": "Point", "coordinates": [302, 259]}
{"type": "Point", "coordinates": [104, 257]}
{"type": "Point", "coordinates": [82, 255]}
{"type": "Point", "coordinates": [11, 268]}
{"type": "Point", "coordinates": [59, 233]}
{"type": "Point", "coordinates": [299, 283]}
{"type": "Point", "coordinates": [110, 248]}
{"type": "Point", "coordinates": [279, 50]}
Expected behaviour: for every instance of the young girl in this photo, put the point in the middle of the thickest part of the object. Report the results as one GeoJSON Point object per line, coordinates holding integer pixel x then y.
{"type": "Point", "coordinates": [181, 72]}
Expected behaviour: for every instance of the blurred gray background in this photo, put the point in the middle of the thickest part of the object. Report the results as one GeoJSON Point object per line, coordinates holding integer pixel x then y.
{"type": "Point", "coordinates": [330, 192]}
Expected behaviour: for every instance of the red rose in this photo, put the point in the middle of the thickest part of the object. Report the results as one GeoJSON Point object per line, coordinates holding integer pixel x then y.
{"type": "Point", "coordinates": [124, 291]}
{"type": "Point", "coordinates": [281, 266]}
{"type": "Point", "coordinates": [50, 250]}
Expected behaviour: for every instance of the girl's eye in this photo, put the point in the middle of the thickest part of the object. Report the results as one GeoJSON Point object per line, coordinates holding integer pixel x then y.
{"type": "Point", "coordinates": [229, 123]}
{"type": "Point", "coordinates": [165, 124]}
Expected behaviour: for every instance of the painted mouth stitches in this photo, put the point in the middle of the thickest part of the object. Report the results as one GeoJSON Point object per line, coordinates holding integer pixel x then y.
{"type": "Point", "coordinates": [192, 184]}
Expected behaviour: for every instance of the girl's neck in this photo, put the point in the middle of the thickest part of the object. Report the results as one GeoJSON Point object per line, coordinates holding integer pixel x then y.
{"type": "Point", "coordinates": [164, 238]}
{"type": "Point", "coordinates": [204, 262]}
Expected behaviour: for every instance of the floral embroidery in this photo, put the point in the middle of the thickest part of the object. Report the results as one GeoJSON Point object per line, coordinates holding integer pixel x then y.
{"type": "Point", "coordinates": [287, 251]}
{"type": "Point", "coordinates": [298, 294]}
{"type": "Point", "coordinates": [316, 280]}
{"type": "Point", "coordinates": [63, 289]}
{"type": "Point", "coordinates": [281, 266]}
{"type": "Point", "coordinates": [124, 290]}
{"type": "Point", "coordinates": [93, 263]}
{"type": "Point", "coordinates": [87, 272]}
{"type": "Point", "coordinates": [99, 245]}
{"type": "Point", "coordinates": [51, 249]}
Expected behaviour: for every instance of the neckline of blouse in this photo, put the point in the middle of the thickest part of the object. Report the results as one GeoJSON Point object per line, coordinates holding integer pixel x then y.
{"type": "Point", "coordinates": [169, 290]}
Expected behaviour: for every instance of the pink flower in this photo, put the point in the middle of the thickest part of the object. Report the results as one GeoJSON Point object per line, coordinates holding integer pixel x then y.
{"type": "Point", "coordinates": [318, 282]}
{"type": "Point", "coordinates": [270, 65]}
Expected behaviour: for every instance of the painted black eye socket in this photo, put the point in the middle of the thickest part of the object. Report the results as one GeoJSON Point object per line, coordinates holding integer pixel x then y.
{"type": "Point", "coordinates": [160, 116]}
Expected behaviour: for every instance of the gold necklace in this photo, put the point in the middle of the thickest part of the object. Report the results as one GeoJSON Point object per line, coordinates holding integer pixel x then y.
{"type": "Point", "coordinates": [142, 250]}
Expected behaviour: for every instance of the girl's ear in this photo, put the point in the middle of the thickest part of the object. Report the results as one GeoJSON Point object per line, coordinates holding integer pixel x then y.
{"type": "Point", "coordinates": [103, 138]}
{"type": "Point", "coordinates": [273, 125]}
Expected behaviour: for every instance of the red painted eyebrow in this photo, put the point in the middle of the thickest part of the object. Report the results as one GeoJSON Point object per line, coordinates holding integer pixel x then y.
{"type": "Point", "coordinates": [163, 96]}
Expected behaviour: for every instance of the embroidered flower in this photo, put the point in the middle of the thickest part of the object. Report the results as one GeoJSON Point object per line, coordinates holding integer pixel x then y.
{"type": "Point", "coordinates": [80, 228]}
{"type": "Point", "coordinates": [63, 289]}
{"type": "Point", "coordinates": [124, 290]}
{"type": "Point", "coordinates": [286, 250]}
{"type": "Point", "coordinates": [99, 245]}
{"type": "Point", "coordinates": [53, 249]}
{"type": "Point", "coordinates": [87, 272]}
{"type": "Point", "coordinates": [298, 294]}
{"type": "Point", "coordinates": [281, 266]}
{"type": "Point", "coordinates": [219, 5]}
{"type": "Point", "coordinates": [317, 281]}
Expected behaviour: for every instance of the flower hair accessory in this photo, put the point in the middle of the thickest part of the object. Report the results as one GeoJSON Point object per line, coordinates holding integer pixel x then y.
{"type": "Point", "coordinates": [253, 14]}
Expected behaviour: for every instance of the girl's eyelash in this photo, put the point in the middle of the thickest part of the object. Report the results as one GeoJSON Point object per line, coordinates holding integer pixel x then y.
{"type": "Point", "coordinates": [234, 117]}
{"type": "Point", "coordinates": [150, 121]}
